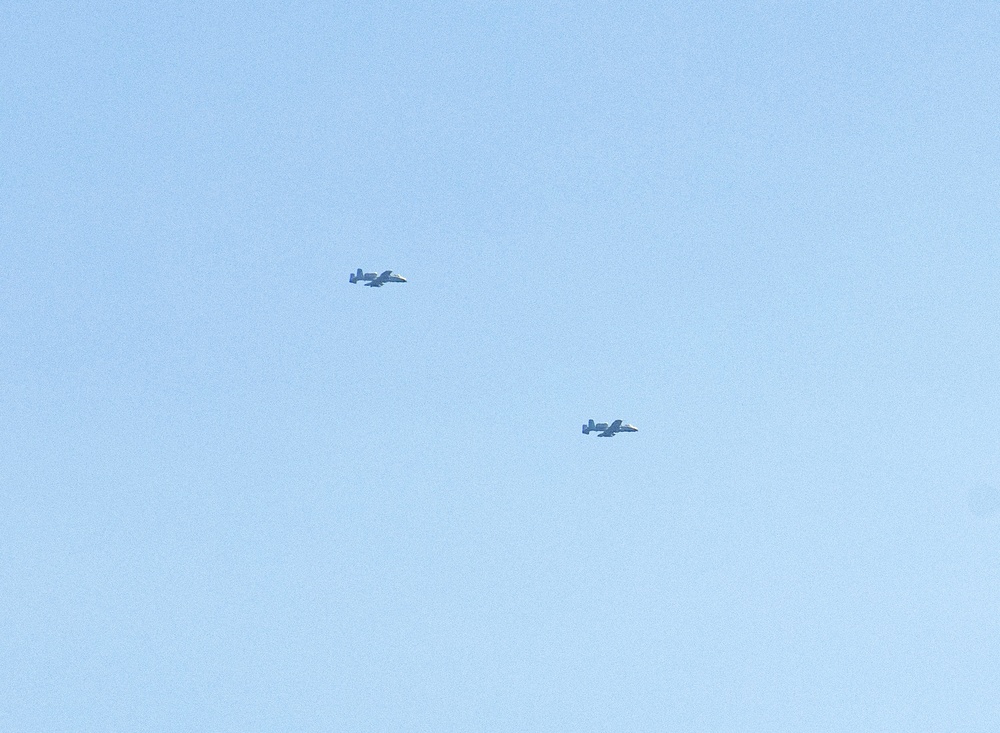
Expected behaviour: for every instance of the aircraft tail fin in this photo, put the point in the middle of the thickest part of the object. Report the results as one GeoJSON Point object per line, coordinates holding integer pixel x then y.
{"type": "Point", "coordinates": [588, 427]}
{"type": "Point", "coordinates": [358, 276]}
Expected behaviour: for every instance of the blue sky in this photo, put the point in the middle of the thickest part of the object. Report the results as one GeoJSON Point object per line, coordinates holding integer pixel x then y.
{"type": "Point", "coordinates": [241, 494]}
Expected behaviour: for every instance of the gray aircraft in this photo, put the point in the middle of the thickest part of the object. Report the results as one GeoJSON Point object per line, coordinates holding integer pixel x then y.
{"type": "Point", "coordinates": [604, 430]}
{"type": "Point", "coordinates": [376, 281]}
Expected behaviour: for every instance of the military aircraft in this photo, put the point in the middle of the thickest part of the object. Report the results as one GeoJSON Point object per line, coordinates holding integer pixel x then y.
{"type": "Point", "coordinates": [376, 281]}
{"type": "Point", "coordinates": [608, 431]}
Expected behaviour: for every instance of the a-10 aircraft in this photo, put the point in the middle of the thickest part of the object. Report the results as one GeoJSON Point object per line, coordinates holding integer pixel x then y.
{"type": "Point", "coordinates": [604, 430]}
{"type": "Point", "coordinates": [375, 280]}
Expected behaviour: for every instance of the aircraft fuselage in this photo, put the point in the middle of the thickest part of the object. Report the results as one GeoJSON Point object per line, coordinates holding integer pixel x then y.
{"type": "Point", "coordinates": [604, 430]}
{"type": "Point", "coordinates": [374, 280]}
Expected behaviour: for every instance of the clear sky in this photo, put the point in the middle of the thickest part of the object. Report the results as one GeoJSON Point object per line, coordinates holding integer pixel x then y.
{"type": "Point", "coordinates": [242, 494]}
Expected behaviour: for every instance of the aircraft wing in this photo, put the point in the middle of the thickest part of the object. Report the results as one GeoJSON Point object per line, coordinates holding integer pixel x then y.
{"type": "Point", "coordinates": [612, 429]}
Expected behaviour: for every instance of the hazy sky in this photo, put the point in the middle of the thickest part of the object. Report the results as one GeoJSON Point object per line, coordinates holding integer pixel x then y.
{"type": "Point", "coordinates": [241, 494]}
